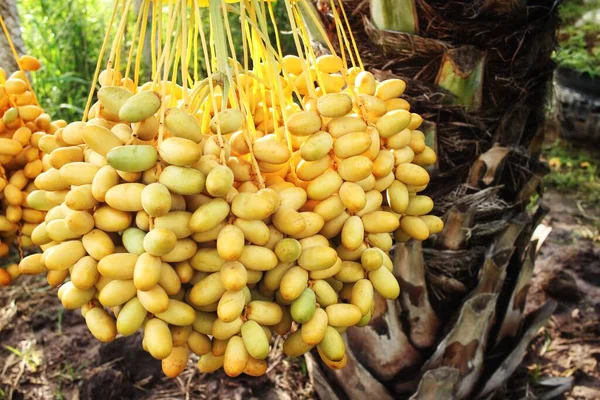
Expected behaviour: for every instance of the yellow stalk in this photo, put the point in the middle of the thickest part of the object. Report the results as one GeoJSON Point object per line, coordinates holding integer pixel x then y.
{"type": "Point", "coordinates": [140, 50]}
{"type": "Point", "coordinates": [133, 39]}
{"type": "Point", "coordinates": [99, 63]}
{"type": "Point", "coordinates": [349, 29]}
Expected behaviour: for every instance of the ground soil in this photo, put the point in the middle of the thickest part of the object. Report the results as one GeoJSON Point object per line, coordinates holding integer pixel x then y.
{"type": "Point", "coordinates": [59, 359]}
{"type": "Point", "coordinates": [567, 270]}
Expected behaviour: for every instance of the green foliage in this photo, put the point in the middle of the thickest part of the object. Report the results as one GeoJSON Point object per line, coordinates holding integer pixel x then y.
{"type": "Point", "coordinates": [574, 170]}
{"type": "Point", "coordinates": [535, 374]}
{"type": "Point", "coordinates": [66, 37]}
{"type": "Point", "coordinates": [29, 355]}
{"type": "Point", "coordinates": [68, 374]}
{"type": "Point", "coordinates": [580, 49]}
{"type": "Point", "coordinates": [579, 40]}
{"type": "Point", "coordinates": [570, 11]}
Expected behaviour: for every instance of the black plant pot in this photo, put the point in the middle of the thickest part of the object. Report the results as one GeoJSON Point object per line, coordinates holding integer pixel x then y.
{"type": "Point", "coordinates": [578, 105]}
{"type": "Point", "coordinates": [580, 81]}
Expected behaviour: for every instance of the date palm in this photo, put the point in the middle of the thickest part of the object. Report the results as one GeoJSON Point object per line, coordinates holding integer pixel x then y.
{"type": "Point", "coordinates": [479, 74]}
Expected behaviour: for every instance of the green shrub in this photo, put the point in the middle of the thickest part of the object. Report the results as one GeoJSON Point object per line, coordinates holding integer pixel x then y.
{"type": "Point", "coordinates": [66, 37]}
{"type": "Point", "coordinates": [579, 40]}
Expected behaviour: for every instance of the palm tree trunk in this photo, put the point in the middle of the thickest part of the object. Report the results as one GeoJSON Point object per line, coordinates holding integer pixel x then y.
{"type": "Point", "coordinates": [10, 14]}
{"type": "Point", "coordinates": [478, 72]}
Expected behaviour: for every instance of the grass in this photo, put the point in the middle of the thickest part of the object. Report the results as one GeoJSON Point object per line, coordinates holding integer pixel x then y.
{"type": "Point", "coordinates": [29, 356]}
{"type": "Point", "coordinates": [573, 170]}
{"type": "Point", "coordinates": [535, 374]}
{"type": "Point", "coordinates": [67, 375]}
{"type": "Point", "coordinates": [547, 342]}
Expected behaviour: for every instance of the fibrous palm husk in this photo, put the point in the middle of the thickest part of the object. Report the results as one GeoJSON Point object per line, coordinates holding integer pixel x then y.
{"type": "Point", "coordinates": [382, 346]}
{"type": "Point", "coordinates": [464, 346]}
{"type": "Point", "coordinates": [409, 268]}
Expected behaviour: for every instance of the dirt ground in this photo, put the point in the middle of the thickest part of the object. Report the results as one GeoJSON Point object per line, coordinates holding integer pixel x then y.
{"type": "Point", "coordinates": [568, 271]}
{"type": "Point", "coordinates": [47, 353]}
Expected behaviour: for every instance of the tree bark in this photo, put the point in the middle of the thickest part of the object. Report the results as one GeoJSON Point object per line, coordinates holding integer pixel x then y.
{"type": "Point", "coordinates": [10, 14]}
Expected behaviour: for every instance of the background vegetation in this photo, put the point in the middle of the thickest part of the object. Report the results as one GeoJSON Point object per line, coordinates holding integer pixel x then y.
{"type": "Point", "coordinates": [579, 37]}
{"type": "Point", "coordinates": [66, 36]}
{"type": "Point", "coordinates": [574, 168]}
